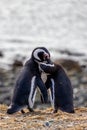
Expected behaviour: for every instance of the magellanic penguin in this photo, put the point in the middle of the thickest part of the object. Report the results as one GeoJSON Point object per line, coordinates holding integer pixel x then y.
{"type": "Point", "coordinates": [60, 86]}
{"type": "Point", "coordinates": [27, 82]}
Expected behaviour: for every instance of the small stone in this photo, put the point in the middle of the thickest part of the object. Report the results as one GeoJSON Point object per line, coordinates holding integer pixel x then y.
{"type": "Point", "coordinates": [75, 90]}
{"type": "Point", "coordinates": [17, 63]}
{"type": "Point", "coordinates": [84, 80]}
{"type": "Point", "coordinates": [51, 121]}
{"type": "Point", "coordinates": [69, 64]}
{"type": "Point", "coordinates": [47, 124]}
{"type": "Point", "coordinates": [1, 54]}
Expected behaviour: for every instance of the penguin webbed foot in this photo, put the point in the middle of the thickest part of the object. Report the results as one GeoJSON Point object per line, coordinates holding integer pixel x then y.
{"type": "Point", "coordinates": [73, 111]}
{"type": "Point", "coordinates": [30, 109]}
{"type": "Point", "coordinates": [55, 111]}
{"type": "Point", "coordinates": [22, 111]}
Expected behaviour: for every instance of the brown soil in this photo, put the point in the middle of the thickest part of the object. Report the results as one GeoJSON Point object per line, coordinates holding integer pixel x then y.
{"type": "Point", "coordinates": [43, 120]}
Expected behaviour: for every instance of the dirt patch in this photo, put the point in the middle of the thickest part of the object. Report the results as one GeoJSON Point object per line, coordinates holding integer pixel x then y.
{"type": "Point", "coordinates": [43, 120]}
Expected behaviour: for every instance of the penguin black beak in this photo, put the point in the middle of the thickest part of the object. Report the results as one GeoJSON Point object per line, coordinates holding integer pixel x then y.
{"type": "Point", "coordinates": [46, 56]}
{"type": "Point", "coordinates": [47, 59]}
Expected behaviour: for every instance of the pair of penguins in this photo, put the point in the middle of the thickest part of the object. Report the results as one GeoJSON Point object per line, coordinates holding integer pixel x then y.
{"type": "Point", "coordinates": [30, 77]}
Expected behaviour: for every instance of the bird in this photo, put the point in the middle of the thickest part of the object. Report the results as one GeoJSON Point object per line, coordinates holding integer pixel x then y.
{"type": "Point", "coordinates": [61, 91]}
{"type": "Point", "coordinates": [27, 81]}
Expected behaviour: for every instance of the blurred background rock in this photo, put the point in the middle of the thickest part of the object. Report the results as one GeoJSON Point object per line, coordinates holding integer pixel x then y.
{"type": "Point", "coordinates": [59, 25]}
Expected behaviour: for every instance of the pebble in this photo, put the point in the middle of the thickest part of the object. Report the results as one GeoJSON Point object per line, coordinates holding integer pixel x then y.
{"type": "Point", "coordinates": [47, 124]}
{"type": "Point", "coordinates": [1, 54]}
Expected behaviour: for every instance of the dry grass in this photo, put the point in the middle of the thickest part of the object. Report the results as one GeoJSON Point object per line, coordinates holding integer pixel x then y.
{"type": "Point", "coordinates": [43, 120]}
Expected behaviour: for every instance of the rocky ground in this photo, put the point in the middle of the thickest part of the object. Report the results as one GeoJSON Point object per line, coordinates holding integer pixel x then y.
{"type": "Point", "coordinates": [43, 119]}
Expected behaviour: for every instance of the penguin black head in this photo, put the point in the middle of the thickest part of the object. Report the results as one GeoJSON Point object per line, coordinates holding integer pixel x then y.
{"type": "Point", "coordinates": [40, 54]}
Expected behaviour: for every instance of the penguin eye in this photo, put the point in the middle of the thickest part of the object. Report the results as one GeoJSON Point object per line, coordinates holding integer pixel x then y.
{"type": "Point", "coordinates": [41, 56]}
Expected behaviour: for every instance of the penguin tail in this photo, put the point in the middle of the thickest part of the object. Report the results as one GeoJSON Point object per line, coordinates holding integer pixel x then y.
{"type": "Point", "coordinates": [72, 111]}
{"type": "Point", "coordinates": [13, 108]}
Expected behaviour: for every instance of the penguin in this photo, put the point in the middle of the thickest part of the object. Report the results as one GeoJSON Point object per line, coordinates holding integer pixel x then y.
{"type": "Point", "coordinates": [61, 90]}
{"type": "Point", "coordinates": [27, 82]}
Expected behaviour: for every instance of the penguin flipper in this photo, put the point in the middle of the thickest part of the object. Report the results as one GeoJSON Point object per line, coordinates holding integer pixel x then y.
{"type": "Point", "coordinates": [14, 108]}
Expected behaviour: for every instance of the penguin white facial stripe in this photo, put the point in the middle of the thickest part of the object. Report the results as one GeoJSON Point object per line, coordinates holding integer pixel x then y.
{"type": "Point", "coordinates": [52, 93]}
{"type": "Point", "coordinates": [35, 54]}
{"type": "Point", "coordinates": [31, 102]}
{"type": "Point", "coordinates": [48, 65]}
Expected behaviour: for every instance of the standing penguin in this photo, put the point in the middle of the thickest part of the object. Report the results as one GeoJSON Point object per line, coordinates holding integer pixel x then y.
{"type": "Point", "coordinates": [60, 86]}
{"type": "Point", "coordinates": [28, 80]}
